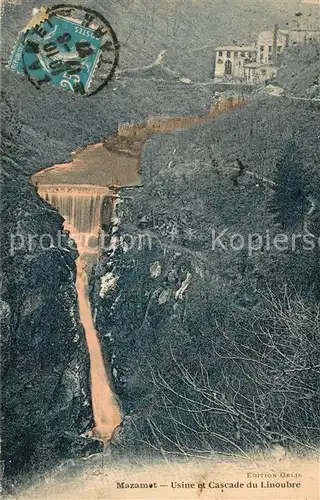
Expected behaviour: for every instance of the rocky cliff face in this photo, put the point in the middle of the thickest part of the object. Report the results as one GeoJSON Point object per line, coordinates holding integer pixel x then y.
{"type": "Point", "coordinates": [45, 394]}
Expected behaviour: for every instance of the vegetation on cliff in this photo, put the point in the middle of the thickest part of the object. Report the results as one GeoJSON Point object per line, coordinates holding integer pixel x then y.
{"type": "Point", "coordinates": [217, 348]}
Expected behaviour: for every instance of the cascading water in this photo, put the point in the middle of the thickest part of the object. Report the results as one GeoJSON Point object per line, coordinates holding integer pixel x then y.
{"type": "Point", "coordinates": [105, 408]}
{"type": "Point", "coordinates": [81, 209]}
{"type": "Point", "coordinates": [82, 213]}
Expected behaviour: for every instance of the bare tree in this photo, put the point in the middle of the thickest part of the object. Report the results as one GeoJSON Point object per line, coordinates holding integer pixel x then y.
{"type": "Point", "coordinates": [262, 388]}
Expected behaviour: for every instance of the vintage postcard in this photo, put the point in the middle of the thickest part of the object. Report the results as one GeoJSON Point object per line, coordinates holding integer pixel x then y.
{"type": "Point", "coordinates": [160, 257]}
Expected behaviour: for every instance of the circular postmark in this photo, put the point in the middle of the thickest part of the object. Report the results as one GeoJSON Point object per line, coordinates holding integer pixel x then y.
{"type": "Point", "coordinates": [68, 46]}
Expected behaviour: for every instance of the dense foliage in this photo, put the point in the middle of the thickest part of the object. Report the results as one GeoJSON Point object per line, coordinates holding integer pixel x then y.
{"type": "Point", "coordinates": [214, 348]}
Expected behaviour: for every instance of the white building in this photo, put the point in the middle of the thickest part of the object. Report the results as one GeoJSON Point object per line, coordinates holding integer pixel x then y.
{"type": "Point", "coordinates": [257, 64]}
{"type": "Point", "coordinates": [230, 60]}
{"type": "Point", "coordinates": [270, 44]}
{"type": "Point", "coordinates": [303, 36]}
{"type": "Point", "coordinates": [257, 73]}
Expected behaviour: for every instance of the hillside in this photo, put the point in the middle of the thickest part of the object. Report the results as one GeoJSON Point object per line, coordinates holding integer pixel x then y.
{"type": "Point", "coordinates": [182, 27]}
{"type": "Point", "coordinates": [200, 319]}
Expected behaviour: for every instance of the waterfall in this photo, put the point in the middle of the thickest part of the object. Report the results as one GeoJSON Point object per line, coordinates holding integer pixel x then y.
{"type": "Point", "coordinates": [82, 213]}
{"type": "Point", "coordinates": [81, 210]}
{"type": "Point", "coordinates": [106, 413]}
{"type": "Point", "coordinates": [81, 207]}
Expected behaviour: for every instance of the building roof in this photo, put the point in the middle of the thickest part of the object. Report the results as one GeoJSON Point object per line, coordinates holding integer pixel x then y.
{"type": "Point", "coordinates": [239, 48]}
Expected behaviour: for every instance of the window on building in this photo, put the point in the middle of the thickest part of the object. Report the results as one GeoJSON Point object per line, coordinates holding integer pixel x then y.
{"type": "Point", "coordinates": [243, 54]}
{"type": "Point", "coordinates": [270, 48]}
{"type": "Point", "coordinates": [228, 68]}
{"type": "Point", "coordinates": [279, 48]}
{"type": "Point", "coordinates": [228, 54]}
{"type": "Point", "coordinates": [220, 53]}
{"type": "Point", "coordinates": [261, 48]}
{"type": "Point", "coordinates": [236, 54]}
